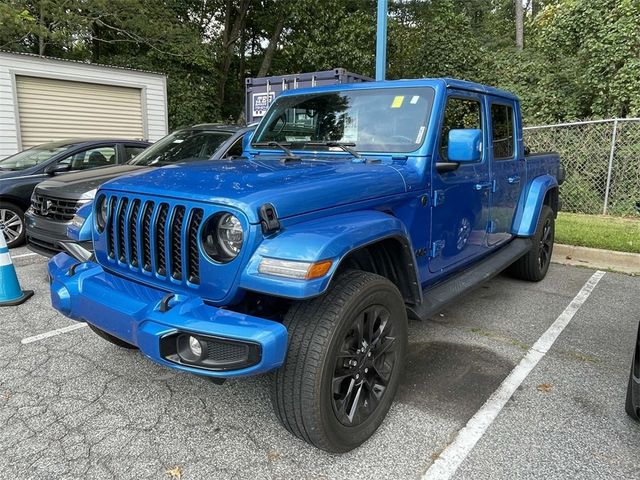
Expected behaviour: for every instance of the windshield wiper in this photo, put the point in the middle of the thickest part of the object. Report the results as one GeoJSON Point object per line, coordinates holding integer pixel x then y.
{"type": "Point", "coordinates": [344, 146]}
{"type": "Point", "coordinates": [284, 147]}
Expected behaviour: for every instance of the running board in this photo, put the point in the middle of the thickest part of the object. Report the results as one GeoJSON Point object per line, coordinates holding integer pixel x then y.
{"type": "Point", "coordinates": [436, 297]}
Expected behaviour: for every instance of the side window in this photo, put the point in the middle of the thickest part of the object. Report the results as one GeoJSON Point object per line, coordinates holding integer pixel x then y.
{"type": "Point", "coordinates": [236, 149]}
{"type": "Point", "coordinates": [92, 158]}
{"type": "Point", "coordinates": [130, 151]}
{"type": "Point", "coordinates": [502, 131]}
{"type": "Point", "coordinates": [459, 113]}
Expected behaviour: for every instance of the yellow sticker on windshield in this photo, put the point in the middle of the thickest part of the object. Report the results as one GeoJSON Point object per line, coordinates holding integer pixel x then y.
{"type": "Point", "coordinates": [397, 102]}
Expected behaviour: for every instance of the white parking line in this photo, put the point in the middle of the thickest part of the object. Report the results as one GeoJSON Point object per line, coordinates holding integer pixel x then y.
{"type": "Point", "coordinates": [52, 333]}
{"type": "Point", "coordinates": [453, 456]}
{"type": "Point", "coordinates": [24, 255]}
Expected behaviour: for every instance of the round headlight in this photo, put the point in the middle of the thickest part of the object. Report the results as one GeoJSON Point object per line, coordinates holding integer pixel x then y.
{"type": "Point", "coordinates": [101, 212]}
{"type": "Point", "coordinates": [222, 237]}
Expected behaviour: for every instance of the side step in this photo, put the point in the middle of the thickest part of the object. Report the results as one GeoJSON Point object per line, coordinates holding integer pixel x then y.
{"type": "Point", "coordinates": [436, 297]}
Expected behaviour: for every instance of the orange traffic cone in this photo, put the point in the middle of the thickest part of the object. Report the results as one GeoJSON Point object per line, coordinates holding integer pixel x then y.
{"type": "Point", "coordinates": [10, 292]}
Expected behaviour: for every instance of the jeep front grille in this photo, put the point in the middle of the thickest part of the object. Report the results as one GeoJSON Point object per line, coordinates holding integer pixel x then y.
{"type": "Point", "coordinates": [59, 209]}
{"type": "Point", "coordinates": [155, 238]}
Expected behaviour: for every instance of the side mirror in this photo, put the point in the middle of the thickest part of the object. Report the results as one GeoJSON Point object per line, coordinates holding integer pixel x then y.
{"type": "Point", "coordinates": [246, 140]}
{"type": "Point", "coordinates": [465, 145]}
{"type": "Point", "coordinates": [57, 168]}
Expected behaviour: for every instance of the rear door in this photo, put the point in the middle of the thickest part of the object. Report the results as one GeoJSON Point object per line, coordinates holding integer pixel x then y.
{"type": "Point", "coordinates": [507, 167]}
{"type": "Point", "coordinates": [460, 198]}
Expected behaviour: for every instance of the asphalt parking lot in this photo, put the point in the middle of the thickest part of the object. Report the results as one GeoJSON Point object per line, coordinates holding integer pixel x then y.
{"type": "Point", "coordinates": [75, 406]}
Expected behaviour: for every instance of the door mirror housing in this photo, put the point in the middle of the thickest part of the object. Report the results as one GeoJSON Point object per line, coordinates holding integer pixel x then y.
{"type": "Point", "coordinates": [465, 145]}
{"type": "Point", "coordinates": [57, 168]}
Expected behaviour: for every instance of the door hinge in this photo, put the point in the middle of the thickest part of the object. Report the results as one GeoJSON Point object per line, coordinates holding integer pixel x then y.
{"type": "Point", "coordinates": [436, 248]}
{"type": "Point", "coordinates": [438, 198]}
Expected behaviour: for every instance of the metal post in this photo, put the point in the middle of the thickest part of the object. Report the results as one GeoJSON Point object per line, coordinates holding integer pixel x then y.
{"type": "Point", "coordinates": [381, 41]}
{"type": "Point", "coordinates": [611, 155]}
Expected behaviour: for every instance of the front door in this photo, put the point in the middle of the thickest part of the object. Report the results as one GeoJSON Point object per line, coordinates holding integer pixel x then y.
{"type": "Point", "coordinates": [460, 198]}
{"type": "Point", "coordinates": [507, 169]}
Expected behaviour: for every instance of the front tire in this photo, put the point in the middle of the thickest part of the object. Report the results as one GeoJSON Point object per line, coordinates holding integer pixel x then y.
{"type": "Point", "coordinates": [12, 224]}
{"type": "Point", "coordinates": [346, 353]}
{"type": "Point", "coordinates": [534, 265]}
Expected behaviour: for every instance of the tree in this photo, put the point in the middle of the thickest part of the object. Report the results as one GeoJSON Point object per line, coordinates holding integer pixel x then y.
{"type": "Point", "coordinates": [519, 24]}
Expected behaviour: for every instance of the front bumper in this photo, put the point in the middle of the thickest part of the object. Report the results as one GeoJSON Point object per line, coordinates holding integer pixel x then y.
{"type": "Point", "coordinates": [134, 313]}
{"type": "Point", "coordinates": [44, 235]}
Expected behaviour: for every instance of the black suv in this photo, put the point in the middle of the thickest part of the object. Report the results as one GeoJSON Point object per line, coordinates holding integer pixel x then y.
{"type": "Point", "coordinates": [20, 173]}
{"type": "Point", "coordinates": [56, 201]}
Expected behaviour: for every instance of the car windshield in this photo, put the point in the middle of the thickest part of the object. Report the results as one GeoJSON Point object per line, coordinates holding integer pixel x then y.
{"type": "Point", "coordinates": [182, 146]}
{"type": "Point", "coordinates": [371, 120]}
{"type": "Point", "coordinates": [32, 156]}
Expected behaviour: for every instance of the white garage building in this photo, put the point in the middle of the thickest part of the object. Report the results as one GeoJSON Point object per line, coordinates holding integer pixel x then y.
{"type": "Point", "coordinates": [47, 99]}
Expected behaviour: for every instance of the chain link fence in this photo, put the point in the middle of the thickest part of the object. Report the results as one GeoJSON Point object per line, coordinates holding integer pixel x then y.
{"type": "Point", "coordinates": [602, 161]}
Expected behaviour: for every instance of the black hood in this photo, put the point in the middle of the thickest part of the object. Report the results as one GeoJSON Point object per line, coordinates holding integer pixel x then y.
{"type": "Point", "coordinates": [74, 185]}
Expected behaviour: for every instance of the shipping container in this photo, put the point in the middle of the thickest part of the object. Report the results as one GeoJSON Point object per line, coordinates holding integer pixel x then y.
{"type": "Point", "coordinates": [261, 91]}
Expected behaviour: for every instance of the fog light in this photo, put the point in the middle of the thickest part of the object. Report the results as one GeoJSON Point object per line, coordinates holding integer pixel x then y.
{"type": "Point", "coordinates": [194, 345]}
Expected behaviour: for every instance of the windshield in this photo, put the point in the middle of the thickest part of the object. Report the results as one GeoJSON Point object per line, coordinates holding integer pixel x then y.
{"type": "Point", "coordinates": [376, 120]}
{"type": "Point", "coordinates": [32, 157]}
{"type": "Point", "coordinates": [182, 146]}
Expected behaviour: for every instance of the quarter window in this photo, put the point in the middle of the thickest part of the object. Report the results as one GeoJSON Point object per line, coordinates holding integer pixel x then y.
{"type": "Point", "coordinates": [502, 131]}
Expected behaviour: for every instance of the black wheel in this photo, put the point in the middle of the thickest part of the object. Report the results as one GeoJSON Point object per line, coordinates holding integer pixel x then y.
{"type": "Point", "coordinates": [535, 264]}
{"type": "Point", "coordinates": [346, 353]}
{"type": "Point", "coordinates": [12, 224]}
{"type": "Point", "coordinates": [632, 405]}
{"type": "Point", "coordinates": [111, 339]}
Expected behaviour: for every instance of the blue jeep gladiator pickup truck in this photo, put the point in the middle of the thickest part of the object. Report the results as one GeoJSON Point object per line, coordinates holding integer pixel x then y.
{"type": "Point", "coordinates": [355, 208]}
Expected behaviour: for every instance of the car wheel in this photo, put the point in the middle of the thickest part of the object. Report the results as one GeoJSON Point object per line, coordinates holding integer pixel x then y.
{"type": "Point", "coordinates": [12, 224]}
{"type": "Point", "coordinates": [632, 405]}
{"type": "Point", "coordinates": [534, 265]}
{"type": "Point", "coordinates": [345, 356]}
{"type": "Point", "coordinates": [111, 339]}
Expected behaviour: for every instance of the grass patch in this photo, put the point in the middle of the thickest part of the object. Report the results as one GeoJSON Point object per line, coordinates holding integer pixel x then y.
{"type": "Point", "coordinates": [599, 231]}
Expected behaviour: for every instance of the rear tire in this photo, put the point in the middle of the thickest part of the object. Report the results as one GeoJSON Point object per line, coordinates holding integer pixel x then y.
{"type": "Point", "coordinates": [535, 264]}
{"type": "Point", "coordinates": [345, 356]}
{"type": "Point", "coordinates": [111, 339]}
{"type": "Point", "coordinates": [12, 224]}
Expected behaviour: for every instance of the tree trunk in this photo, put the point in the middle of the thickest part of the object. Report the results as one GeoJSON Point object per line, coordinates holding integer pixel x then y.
{"type": "Point", "coordinates": [229, 37]}
{"type": "Point", "coordinates": [271, 48]}
{"type": "Point", "coordinates": [519, 25]}
{"type": "Point", "coordinates": [41, 43]}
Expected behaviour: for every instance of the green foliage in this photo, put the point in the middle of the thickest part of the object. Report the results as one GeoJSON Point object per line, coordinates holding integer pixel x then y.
{"type": "Point", "coordinates": [581, 57]}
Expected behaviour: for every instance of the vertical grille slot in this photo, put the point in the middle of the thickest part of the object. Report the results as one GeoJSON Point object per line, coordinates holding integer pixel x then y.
{"type": "Point", "coordinates": [147, 212]}
{"type": "Point", "coordinates": [122, 251]}
{"type": "Point", "coordinates": [110, 230]}
{"type": "Point", "coordinates": [176, 242]}
{"type": "Point", "coordinates": [154, 237]}
{"type": "Point", "coordinates": [193, 265]}
{"type": "Point", "coordinates": [161, 227]}
{"type": "Point", "coordinates": [133, 233]}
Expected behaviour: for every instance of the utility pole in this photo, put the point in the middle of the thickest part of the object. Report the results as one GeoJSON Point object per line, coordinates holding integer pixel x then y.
{"type": "Point", "coordinates": [381, 41]}
{"type": "Point", "coordinates": [519, 25]}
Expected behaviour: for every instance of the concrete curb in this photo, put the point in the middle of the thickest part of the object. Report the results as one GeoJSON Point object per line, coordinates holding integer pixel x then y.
{"type": "Point", "coordinates": [622, 262]}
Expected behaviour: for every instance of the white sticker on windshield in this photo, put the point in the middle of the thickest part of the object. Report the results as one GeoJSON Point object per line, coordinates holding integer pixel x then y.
{"type": "Point", "coordinates": [415, 99]}
{"type": "Point", "coordinates": [350, 132]}
{"type": "Point", "coordinates": [178, 140]}
{"type": "Point", "coordinates": [420, 134]}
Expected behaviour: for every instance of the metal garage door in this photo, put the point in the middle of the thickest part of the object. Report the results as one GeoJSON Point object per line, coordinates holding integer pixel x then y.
{"type": "Point", "coordinates": [57, 109]}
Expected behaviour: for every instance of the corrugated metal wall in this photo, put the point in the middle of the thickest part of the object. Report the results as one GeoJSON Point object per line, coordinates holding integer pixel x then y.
{"type": "Point", "coordinates": [56, 109]}
{"type": "Point", "coordinates": [151, 98]}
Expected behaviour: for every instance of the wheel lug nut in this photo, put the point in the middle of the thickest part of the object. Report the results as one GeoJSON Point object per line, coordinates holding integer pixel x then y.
{"type": "Point", "coordinates": [357, 376]}
{"type": "Point", "coordinates": [369, 354]}
{"type": "Point", "coordinates": [366, 370]}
